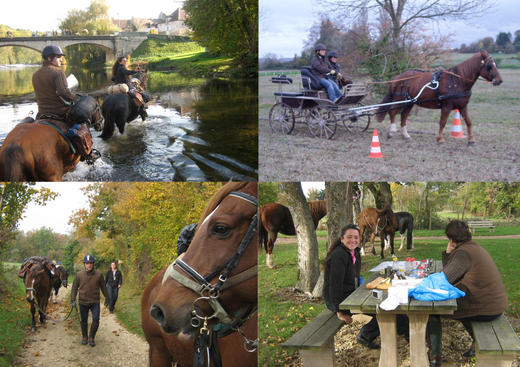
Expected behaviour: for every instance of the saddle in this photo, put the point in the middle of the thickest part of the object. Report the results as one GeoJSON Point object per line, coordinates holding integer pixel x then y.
{"type": "Point", "coordinates": [28, 263]}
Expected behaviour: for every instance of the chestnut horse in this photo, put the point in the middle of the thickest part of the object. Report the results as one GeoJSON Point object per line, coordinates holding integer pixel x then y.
{"type": "Point", "coordinates": [452, 91]}
{"type": "Point", "coordinates": [37, 152]}
{"type": "Point", "coordinates": [208, 297]}
{"type": "Point", "coordinates": [37, 291]}
{"type": "Point", "coordinates": [377, 221]}
{"type": "Point", "coordinates": [276, 218]}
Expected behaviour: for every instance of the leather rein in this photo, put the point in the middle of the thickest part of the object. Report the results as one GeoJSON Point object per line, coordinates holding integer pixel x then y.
{"type": "Point", "coordinates": [210, 293]}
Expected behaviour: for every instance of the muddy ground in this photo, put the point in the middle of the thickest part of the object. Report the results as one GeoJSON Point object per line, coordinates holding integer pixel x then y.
{"type": "Point", "coordinates": [495, 157]}
{"type": "Point", "coordinates": [58, 343]}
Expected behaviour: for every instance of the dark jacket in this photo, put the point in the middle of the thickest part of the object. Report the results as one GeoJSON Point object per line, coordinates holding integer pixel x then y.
{"type": "Point", "coordinates": [88, 284]}
{"type": "Point", "coordinates": [320, 66]}
{"type": "Point", "coordinates": [49, 84]}
{"type": "Point", "coordinates": [341, 276]}
{"type": "Point", "coordinates": [109, 278]}
{"type": "Point", "coordinates": [122, 74]}
{"type": "Point", "coordinates": [485, 291]}
{"type": "Point", "coordinates": [185, 238]}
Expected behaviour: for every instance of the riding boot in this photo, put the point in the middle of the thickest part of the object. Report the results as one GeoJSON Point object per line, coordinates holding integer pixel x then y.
{"type": "Point", "coordinates": [435, 339]}
{"type": "Point", "coordinates": [84, 332]}
{"type": "Point", "coordinates": [93, 331]}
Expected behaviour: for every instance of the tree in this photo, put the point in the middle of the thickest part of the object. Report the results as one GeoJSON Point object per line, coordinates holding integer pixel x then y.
{"type": "Point", "coordinates": [70, 253]}
{"type": "Point", "coordinates": [308, 257]}
{"type": "Point", "coordinates": [382, 194]}
{"type": "Point", "coordinates": [268, 192]}
{"type": "Point", "coordinates": [503, 39]}
{"type": "Point", "coordinates": [94, 20]}
{"type": "Point", "coordinates": [226, 27]}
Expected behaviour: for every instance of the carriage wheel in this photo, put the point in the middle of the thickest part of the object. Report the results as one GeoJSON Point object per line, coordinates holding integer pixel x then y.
{"type": "Point", "coordinates": [321, 122]}
{"type": "Point", "coordinates": [281, 118]}
{"type": "Point", "coordinates": [361, 121]}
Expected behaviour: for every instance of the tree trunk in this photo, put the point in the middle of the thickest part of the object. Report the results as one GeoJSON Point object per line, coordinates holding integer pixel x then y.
{"type": "Point", "coordinates": [308, 257]}
{"type": "Point", "coordinates": [382, 194]}
{"type": "Point", "coordinates": [348, 203]}
{"type": "Point", "coordinates": [356, 201]}
{"type": "Point", "coordinates": [335, 194]}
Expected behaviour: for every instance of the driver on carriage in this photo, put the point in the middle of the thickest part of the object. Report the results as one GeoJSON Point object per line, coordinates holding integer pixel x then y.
{"type": "Point", "coordinates": [55, 99]}
{"type": "Point", "coordinates": [338, 78]}
{"type": "Point", "coordinates": [321, 68]}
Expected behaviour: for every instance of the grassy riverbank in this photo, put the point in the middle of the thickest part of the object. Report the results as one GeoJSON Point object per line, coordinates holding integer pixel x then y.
{"type": "Point", "coordinates": [181, 55]}
{"type": "Point", "coordinates": [14, 313]}
{"type": "Point", "coordinates": [282, 311]}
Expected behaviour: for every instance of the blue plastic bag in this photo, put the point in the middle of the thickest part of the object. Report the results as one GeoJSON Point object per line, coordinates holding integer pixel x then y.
{"type": "Point", "coordinates": [435, 288]}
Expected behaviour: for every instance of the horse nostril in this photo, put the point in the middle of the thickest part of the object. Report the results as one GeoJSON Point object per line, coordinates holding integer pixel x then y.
{"type": "Point", "coordinates": [158, 314]}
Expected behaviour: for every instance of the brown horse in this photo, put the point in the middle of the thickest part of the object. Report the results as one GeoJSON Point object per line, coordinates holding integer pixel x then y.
{"type": "Point", "coordinates": [451, 90]}
{"type": "Point", "coordinates": [208, 296]}
{"type": "Point", "coordinates": [37, 291]}
{"type": "Point", "coordinates": [37, 152]}
{"type": "Point", "coordinates": [377, 221]}
{"type": "Point", "coordinates": [276, 218]}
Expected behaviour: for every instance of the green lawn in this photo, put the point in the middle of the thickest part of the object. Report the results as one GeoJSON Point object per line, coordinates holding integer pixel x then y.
{"type": "Point", "coordinates": [280, 317]}
{"type": "Point", "coordinates": [128, 308]}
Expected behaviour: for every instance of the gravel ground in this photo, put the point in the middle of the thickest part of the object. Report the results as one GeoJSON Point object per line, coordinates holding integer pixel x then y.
{"type": "Point", "coordinates": [495, 157]}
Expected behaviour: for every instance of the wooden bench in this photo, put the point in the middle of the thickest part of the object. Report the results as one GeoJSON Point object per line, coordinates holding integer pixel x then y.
{"type": "Point", "coordinates": [474, 224]}
{"type": "Point", "coordinates": [496, 343]}
{"type": "Point", "coordinates": [315, 341]}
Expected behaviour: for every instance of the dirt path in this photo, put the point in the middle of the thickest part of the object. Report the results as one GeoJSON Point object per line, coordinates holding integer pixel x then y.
{"type": "Point", "coordinates": [59, 342]}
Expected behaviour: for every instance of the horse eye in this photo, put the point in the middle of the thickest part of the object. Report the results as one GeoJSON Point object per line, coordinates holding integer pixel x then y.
{"type": "Point", "coordinates": [221, 230]}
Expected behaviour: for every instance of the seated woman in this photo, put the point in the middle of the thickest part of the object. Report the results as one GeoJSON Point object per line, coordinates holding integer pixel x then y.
{"type": "Point", "coordinates": [470, 268]}
{"type": "Point", "coordinates": [321, 68]}
{"type": "Point", "coordinates": [339, 79]}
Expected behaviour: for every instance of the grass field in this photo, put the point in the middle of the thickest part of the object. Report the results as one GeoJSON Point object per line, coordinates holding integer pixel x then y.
{"type": "Point", "coordinates": [282, 311]}
{"type": "Point", "coordinates": [494, 111]}
{"type": "Point", "coordinates": [128, 308]}
{"type": "Point", "coordinates": [14, 312]}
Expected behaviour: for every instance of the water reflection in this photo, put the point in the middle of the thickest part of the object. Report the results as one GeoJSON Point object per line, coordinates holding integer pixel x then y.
{"type": "Point", "coordinates": [197, 129]}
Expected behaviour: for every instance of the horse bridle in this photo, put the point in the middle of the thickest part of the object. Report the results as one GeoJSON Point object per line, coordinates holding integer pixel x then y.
{"type": "Point", "coordinates": [210, 292]}
{"type": "Point", "coordinates": [486, 64]}
{"type": "Point", "coordinates": [98, 121]}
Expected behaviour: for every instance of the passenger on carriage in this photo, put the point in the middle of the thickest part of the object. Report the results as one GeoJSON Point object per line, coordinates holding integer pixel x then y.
{"type": "Point", "coordinates": [338, 78]}
{"type": "Point", "coordinates": [321, 68]}
{"type": "Point", "coordinates": [53, 96]}
{"type": "Point", "coordinates": [120, 75]}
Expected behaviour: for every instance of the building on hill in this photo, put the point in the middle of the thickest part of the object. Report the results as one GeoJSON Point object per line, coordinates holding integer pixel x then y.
{"type": "Point", "coordinates": [172, 24]}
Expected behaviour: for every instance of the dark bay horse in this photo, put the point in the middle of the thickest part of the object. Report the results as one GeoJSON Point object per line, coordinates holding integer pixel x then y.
{"type": "Point", "coordinates": [274, 218]}
{"type": "Point", "coordinates": [377, 221]}
{"type": "Point", "coordinates": [118, 109]}
{"type": "Point", "coordinates": [37, 152]}
{"type": "Point", "coordinates": [453, 92]}
{"type": "Point", "coordinates": [405, 224]}
{"type": "Point", "coordinates": [37, 291]}
{"type": "Point", "coordinates": [60, 279]}
{"type": "Point", "coordinates": [209, 294]}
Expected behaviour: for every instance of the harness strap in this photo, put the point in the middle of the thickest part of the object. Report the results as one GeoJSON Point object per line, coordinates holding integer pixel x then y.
{"type": "Point", "coordinates": [61, 133]}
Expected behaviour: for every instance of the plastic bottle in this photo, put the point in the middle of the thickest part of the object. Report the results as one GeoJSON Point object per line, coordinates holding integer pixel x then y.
{"type": "Point", "coordinates": [420, 272]}
{"type": "Point", "coordinates": [394, 264]}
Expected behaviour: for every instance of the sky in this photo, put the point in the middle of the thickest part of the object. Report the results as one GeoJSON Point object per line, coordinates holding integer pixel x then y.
{"type": "Point", "coordinates": [307, 186]}
{"type": "Point", "coordinates": [46, 15]}
{"type": "Point", "coordinates": [284, 25]}
{"type": "Point", "coordinates": [56, 213]}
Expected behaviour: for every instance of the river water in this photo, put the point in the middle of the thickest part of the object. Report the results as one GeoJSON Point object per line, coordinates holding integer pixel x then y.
{"type": "Point", "coordinates": [197, 129]}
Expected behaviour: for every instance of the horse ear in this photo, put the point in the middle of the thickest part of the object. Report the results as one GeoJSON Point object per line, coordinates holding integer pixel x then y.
{"type": "Point", "coordinates": [484, 53]}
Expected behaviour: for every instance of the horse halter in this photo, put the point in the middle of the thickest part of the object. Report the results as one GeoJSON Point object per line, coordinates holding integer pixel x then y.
{"type": "Point", "coordinates": [486, 63]}
{"type": "Point", "coordinates": [98, 121]}
{"type": "Point", "coordinates": [210, 292]}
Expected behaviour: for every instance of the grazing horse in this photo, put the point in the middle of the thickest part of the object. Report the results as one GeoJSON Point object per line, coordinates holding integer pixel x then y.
{"type": "Point", "coordinates": [405, 224]}
{"type": "Point", "coordinates": [118, 109]}
{"type": "Point", "coordinates": [276, 218]}
{"type": "Point", "coordinates": [377, 221]}
{"type": "Point", "coordinates": [37, 291]}
{"type": "Point", "coordinates": [449, 90]}
{"type": "Point", "coordinates": [208, 297]}
{"type": "Point", "coordinates": [60, 279]}
{"type": "Point", "coordinates": [34, 151]}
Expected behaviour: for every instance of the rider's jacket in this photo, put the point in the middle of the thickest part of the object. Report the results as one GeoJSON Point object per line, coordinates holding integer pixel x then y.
{"type": "Point", "coordinates": [320, 66]}
{"type": "Point", "coordinates": [49, 84]}
{"type": "Point", "coordinates": [88, 283]}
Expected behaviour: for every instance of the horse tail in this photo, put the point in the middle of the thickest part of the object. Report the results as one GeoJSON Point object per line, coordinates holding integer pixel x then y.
{"type": "Point", "coordinates": [11, 169]}
{"type": "Point", "coordinates": [409, 238]}
{"type": "Point", "coordinates": [262, 232]}
{"type": "Point", "coordinates": [381, 111]}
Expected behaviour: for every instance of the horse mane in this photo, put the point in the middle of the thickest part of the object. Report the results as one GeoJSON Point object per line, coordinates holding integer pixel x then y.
{"type": "Point", "coordinates": [318, 209]}
{"type": "Point", "coordinates": [218, 197]}
{"type": "Point", "coordinates": [467, 67]}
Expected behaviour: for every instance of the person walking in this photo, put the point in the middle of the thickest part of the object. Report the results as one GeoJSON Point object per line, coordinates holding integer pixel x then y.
{"type": "Point", "coordinates": [88, 282]}
{"type": "Point", "coordinates": [113, 281]}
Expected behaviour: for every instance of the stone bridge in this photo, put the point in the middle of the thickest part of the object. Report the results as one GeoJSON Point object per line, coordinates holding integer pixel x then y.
{"type": "Point", "coordinates": [118, 45]}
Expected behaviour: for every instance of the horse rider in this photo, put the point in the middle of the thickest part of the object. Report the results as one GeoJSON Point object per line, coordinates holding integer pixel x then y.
{"type": "Point", "coordinates": [338, 78]}
{"type": "Point", "coordinates": [120, 75]}
{"type": "Point", "coordinates": [88, 282]}
{"type": "Point", "coordinates": [321, 68]}
{"type": "Point", "coordinates": [53, 96]}
{"type": "Point", "coordinates": [113, 281]}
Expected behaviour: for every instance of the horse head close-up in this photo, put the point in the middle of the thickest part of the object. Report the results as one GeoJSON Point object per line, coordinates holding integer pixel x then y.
{"type": "Point", "coordinates": [208, 296]}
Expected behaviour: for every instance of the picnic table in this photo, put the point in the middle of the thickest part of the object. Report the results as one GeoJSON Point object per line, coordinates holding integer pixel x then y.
{"type": "Point", "coordinates": [361, 301]}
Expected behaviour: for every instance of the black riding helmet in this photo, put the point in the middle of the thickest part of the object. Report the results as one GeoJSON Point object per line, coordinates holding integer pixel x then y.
{"type": "Point", "coordinates": [88, 259]}
{"type": "Point", "coordinates": [319, 46]}
{"type": "Point", "coordinates": [51, 50]}
{"type": "Point", "coordinates": [332, 54]}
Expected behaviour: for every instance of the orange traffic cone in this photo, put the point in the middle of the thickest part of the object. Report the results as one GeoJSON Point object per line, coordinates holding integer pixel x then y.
{"type": "Point", "coordinates": [456, 131]}
{"type": "Point", "coordinates": [375, 149]}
